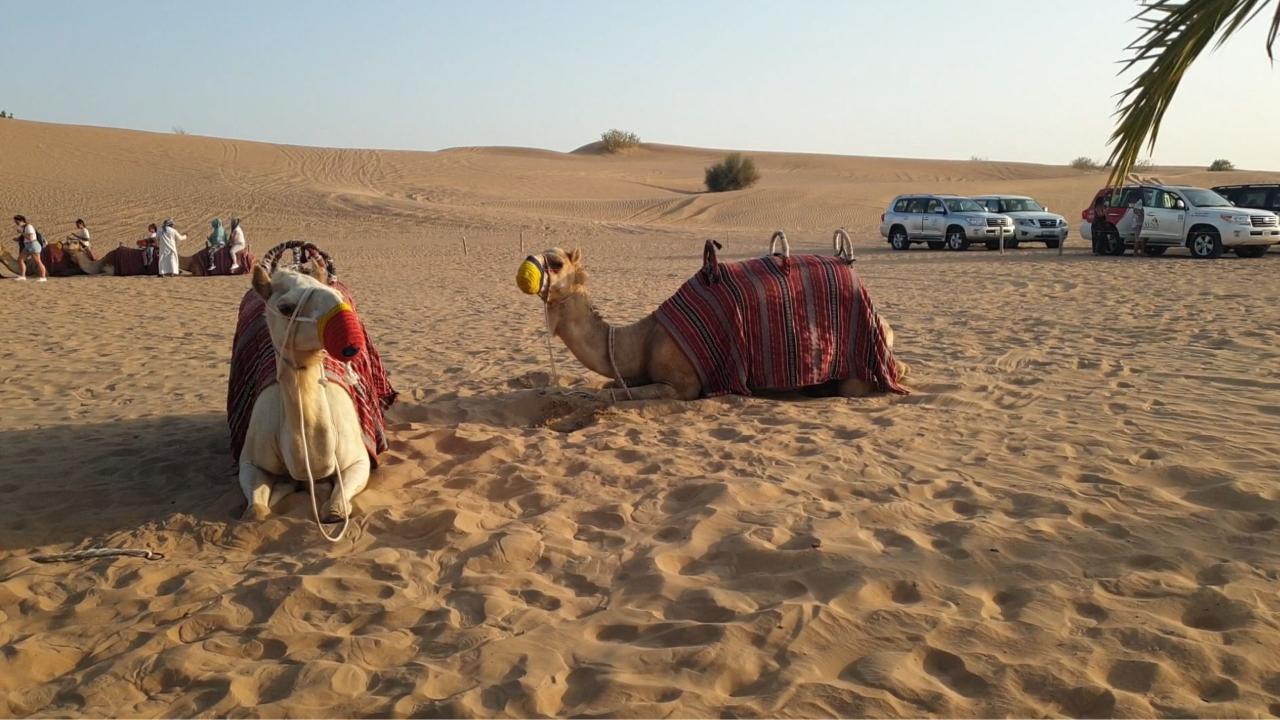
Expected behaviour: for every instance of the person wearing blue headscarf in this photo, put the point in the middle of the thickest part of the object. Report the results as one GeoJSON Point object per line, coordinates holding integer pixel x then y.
{"type": "Point", "coordinates": [216, 240]}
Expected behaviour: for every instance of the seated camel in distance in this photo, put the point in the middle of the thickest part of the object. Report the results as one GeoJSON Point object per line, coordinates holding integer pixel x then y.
{"type": "Point", "coordinates": [650, 362]}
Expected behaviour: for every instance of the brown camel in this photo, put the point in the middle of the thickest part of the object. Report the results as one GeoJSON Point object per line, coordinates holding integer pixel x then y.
{"type": "Point", "coordinates": [644, 355]}
{"type": "Point", "coordinates": [106, 265]}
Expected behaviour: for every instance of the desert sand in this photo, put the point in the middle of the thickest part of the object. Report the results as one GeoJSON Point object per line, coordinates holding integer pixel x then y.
{"type": "Point", "coordinates": [1075, 512]}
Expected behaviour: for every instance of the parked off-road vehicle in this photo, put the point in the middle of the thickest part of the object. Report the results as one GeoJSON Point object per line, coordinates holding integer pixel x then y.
{"type": "Point", "coordinates": [1032, 222]}
{"type": "Point", "coordinates": [1158, 217]}
{"type": "Point", "coordinates": [1259, 196]}
{"type": "Point", "coordinates": [948, 221]}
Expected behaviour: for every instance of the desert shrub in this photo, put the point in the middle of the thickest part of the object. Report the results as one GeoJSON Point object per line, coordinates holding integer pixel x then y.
{"type": "Point", "coordinates": [1221, 165]}
{"type": "Point", "coordinates": [733, 173]}
{"type": "Point", "coordinates": [179, 130]}
{"type": "Point", "coordinates": [1143, 165]}
{"type": "Point", "coordinates": [615, 140]}
{"type": "Point", "coordinates": [1085, 163]}
{"type": "Point", "coordinates": [977, 158]}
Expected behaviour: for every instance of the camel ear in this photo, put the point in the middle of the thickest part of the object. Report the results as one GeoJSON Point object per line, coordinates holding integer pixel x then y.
{"type": "Point", "coordinates": [575, 256]}
{"type": "Point", "coordinates": [262, 282]}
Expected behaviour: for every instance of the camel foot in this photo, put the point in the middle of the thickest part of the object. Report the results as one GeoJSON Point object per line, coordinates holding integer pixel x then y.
{"type": "Point", "coordinates": [903, 369]}
{"type": "Point", "coordinates": [333, 510]}
{"type": "Point", "coordinates": [256, 513]}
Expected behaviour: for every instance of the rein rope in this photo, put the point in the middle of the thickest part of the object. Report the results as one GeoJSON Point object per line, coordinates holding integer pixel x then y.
{"type": "Point", "coordinates": [306, 453]}
{"type": "Point", "coordinates": [614, 364]}
{"type": "Point", "coordinates": [551, 352]}
{"type": "Point", "coordinates": [92, 553]}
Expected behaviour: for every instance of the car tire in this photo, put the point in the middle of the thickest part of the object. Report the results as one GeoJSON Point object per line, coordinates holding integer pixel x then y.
{"type": "Point", "coordinates": [1251, 251]}
{"type": "Point", "coordinates": [898, 240]}
{"type": "Point", "coordinates": [1113, 244]}
{"type": "Point", "coordinates": [1205, 244]}
{"type": "Point", "coordinates": [956, 240]}
{"type": "Point", "coordinates": [1010, 244]}
{"type": "Point", "coordinates": [1052, 244]}
{"type": "Point", "coordinates": [937, 244]}
{"type": "Point", "coordinates": [1154, 250]}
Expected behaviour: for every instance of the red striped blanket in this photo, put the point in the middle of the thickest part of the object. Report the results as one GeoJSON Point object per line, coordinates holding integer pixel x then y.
{"type": "Point", "coordinates": [221, 262]}
{"type": "Point", "coordinates": [778, 323]}
{"type": "Point", "coordinates": [253, 368]}
{"type": "Point", "coordinates": [59, 263]}
{"type": "Point", "coordinates": [131, 261]}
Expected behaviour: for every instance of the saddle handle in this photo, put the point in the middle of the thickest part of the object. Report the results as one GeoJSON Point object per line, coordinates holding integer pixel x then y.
{"type": "Point", "coordinates": [779, 237]}
{"type": "Point", "coordinates": [303, 250]}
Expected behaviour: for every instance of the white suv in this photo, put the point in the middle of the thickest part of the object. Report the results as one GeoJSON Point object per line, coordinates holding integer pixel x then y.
{"type": "Point", "coordinates": [1165, 216]}
{"type": "Point", "coordinates": [948, 221]}
{"type": "Point", "coordinates": [1032, 222]}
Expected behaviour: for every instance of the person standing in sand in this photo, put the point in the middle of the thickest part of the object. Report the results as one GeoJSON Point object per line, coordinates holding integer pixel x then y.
{"type": "Point", "coordinates": [28, 248]}
{"type": "Point", "coordinates": [216, 240]}
{"type": "Point", "coordinates": [81, 235]}
{"type": "Point", "coordinates": [237, 243]}
{"type": "Point", "coordinates": [167, 242]}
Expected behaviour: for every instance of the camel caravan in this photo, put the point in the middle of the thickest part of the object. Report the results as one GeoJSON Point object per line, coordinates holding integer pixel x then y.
{"type": "Point", "coordinates": [778, 323]}
{"type": "Point", "coordinates": [307, 390]}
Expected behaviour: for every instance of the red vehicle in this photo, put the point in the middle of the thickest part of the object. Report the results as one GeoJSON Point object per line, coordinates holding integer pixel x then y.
{"type": "Point", "coordinates": [1122, 215]}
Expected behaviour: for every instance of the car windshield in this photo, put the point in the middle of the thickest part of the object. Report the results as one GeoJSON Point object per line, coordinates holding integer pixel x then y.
{"type": "Point", "coordinates": [1020, 205]}
{"type": "Point", "coordinates": [963, 205]}
{"type": "Point", "coordinates": [1200, 197]}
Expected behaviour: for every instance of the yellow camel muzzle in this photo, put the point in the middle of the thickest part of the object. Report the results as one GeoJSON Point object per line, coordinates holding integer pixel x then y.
{"type": "Point", "coordinates": [531, 278]}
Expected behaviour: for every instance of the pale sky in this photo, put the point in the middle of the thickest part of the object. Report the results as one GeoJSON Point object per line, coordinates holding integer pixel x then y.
{"type": "Point", "coordinates": [1026, 80]}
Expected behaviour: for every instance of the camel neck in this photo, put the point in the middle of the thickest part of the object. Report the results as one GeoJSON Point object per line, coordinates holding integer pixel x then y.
{"type": "Point", "coordinates": [586, 334]}
{"type": "Point", "coordinates": [305, 406]}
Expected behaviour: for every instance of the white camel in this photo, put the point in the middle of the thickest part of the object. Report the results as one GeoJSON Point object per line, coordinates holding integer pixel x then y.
{"type": "Point", "coordinates": [302, 429]}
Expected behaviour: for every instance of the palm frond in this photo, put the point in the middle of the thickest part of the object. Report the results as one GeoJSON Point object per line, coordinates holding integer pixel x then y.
{"type": "Point", "coordinates": [1175, 33]}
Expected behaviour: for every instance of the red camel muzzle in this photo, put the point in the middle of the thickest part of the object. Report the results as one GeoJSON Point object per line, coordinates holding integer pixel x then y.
{"type": "Point", "coordinates": [341, 332]}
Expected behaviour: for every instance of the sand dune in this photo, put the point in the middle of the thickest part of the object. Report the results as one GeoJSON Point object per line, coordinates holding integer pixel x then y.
{"type": "Point", "coordinates": [1074, 513]}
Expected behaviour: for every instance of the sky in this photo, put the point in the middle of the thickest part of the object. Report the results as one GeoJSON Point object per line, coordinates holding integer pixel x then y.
{"type": "Point", "coordinates": [1018, 80]}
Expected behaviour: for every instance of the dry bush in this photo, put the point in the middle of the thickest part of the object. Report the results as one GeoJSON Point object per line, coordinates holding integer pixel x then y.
{"type": "Point", "coordinates": [615, 140]}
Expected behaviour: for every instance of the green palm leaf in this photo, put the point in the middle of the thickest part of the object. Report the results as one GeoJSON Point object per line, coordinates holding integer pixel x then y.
{"type": "Point", "coordinates": [1176, 32]}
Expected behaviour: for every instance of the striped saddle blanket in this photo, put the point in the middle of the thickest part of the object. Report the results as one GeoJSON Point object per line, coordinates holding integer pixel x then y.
{"type": "Point", "coordinates": [132, 261]}
{"type": "Point", "coordinates": [253, 369]}
{"type": "Point", "coordinates": [778, 323]}
{"type": "Point", "coordinates": [59, 263]}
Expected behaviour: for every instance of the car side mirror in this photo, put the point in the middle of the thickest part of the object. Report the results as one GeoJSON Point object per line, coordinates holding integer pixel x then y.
{"type": "Point", "coordinates": [1046, 208]}
{"type": "Point", "coordinates": [1178, 204]}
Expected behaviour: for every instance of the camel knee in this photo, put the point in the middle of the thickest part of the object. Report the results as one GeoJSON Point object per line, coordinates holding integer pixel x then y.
{"type": "Point", "coordinates": [854, 387]}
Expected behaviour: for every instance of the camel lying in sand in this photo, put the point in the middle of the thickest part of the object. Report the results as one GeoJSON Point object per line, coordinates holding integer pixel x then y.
{"type": "Point", "coordinates": [107, 264]}
{"type": "Point", "coordinates": [307, 389]}
{"type": "Point", "coordinates": [650, 363]}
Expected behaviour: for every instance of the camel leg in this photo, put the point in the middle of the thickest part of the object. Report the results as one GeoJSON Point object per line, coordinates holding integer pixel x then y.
{"type": "Point", "coordinates": [256, 485]}
{"type": "Point", "coordinates": [853, 387]}
{"type": "Point", "coordinates": [354, 479]}
{"type": "Point", "coordinates": [656, 391]}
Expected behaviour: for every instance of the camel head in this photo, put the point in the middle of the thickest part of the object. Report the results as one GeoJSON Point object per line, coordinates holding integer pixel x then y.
{"type": "Point", "coordinates": [552, 275]}
{"type": "Point", "coordinates": [306, 315]}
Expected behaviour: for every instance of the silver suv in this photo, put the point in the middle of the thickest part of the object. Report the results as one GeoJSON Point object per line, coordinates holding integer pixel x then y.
{"type": "Point", "coordinates": [948, 221]}
{"type": "Point", "coordinates": [1032, 222]}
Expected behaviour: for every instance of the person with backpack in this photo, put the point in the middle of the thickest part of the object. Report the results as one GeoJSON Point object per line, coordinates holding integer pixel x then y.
{"type": "Point", "coordinates": [30, 243]}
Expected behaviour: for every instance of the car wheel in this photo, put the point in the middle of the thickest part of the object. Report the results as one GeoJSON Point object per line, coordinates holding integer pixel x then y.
{"type": "Point", "coordinates": [1052, 244]}
{"type": "Point", "coordinates": [937, 244]}
{"type": "Point", "coordinates": [898, 240]}
{"type": "Point", "coordinates": [1113, 244]}
{"type": "Point", "coordinates": [1206, 245]}
{"type": "Point", "coordinates": [1251, 251]}
{"type": "Point", "coordinates": [956, 240]}
{"type": "Point", "coordinates": [1154, 250]}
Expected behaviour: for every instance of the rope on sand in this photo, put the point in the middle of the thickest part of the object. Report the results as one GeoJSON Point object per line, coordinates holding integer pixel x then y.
{"type": "Point", "coordinates": [92, 553]}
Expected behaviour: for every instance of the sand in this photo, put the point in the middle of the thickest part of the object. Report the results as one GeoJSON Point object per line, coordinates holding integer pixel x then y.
{"type": "Point", "coordinates": [1075, 512]}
